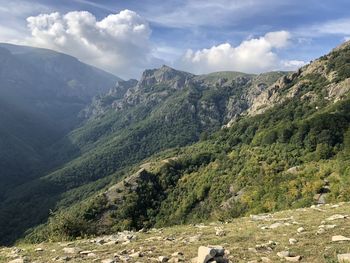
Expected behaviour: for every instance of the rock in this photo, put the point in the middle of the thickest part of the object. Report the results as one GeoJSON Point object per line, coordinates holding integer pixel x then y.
{"type": "Point", "coordinates": [320, 231]}
{"type": "Point", "coordinates": [293, 259]}
{"type": "Point", "coordinates": [91, 255]}
{"type": "Point", "coordinates": [219, 232]}
{"type": "Point", "coordinates": [39, 249]}
{"type": "Point", "coordinates": [339, 238]}
{"type": "Point", "coordinates": [71, 250]}
{"type": "Point", "coordinates": [108, 260]}
{"type": "Point", "coordinates": [300, 230]}
{"type": "Point", "coordinates": [163, 259]}
{"type": "Point", "coordinates": [283, 254]}
{"type": "Point", "coordinates": [135, 255]}
{"type": "Point", "coordinates": [205, 254]}
{"type": "Point", "coordinates": [344, 258]}
{"type": "Point", "coordinates": [265, 260]}
{"type": "Point", "coordinates": [336, 217]}
{"type": "Point", "coordinates": [293, 241]}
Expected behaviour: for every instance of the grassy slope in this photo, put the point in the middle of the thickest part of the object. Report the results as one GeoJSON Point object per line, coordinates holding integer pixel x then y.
{"type": "Point", "coordinates": [241, 234]}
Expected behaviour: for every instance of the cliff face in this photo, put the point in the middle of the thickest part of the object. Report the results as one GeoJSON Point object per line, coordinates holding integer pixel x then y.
{"type": "Point", "coordinates": [329, 73]}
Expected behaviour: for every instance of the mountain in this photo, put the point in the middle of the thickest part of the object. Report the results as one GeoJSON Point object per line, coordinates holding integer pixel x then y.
{"type": "Point", "coordinates": [41, 95]}
{"type": "Point", "coordinates": [287, 147]}
{"type": "Point", "coordinates": [166, 109]}
{"type": "Point", "coordinates": [177, 148]}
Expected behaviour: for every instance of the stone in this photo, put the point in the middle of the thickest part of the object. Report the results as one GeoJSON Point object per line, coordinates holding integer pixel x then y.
{"type": "Point", "coordinates": [293, 259]}
{"type": "Point", "coordinates": [339, 238]}
{"type": "Point", "coordinates": [39, 249]}
{"type": "Point", "coordinates": [300, 230]}
{"type": "Point", "coordinates": [91, 255]}
{"type": "Point", "coordinates": [265, 260]}
{"type": "Point", "coordinates": [205, 254]}
{"type": "Point", "coordinates": [320, 231]}
{"type": "Point", "coordinates": [343, 258]}
{"type": "Point", "coordinates": [135, 255]}
{"type": "Point", "coordinates": [163, 259]}
{"type": "Point", "coordinates": [108, 260]}
{"type": "Point", "coordinates": [293, 241]}
{"type": "Point", "coordinates": [219, 232]}
{"type": "Point", "coordinates": [283, 254]}
{"type": "Point", "coordinates": [336, 217]}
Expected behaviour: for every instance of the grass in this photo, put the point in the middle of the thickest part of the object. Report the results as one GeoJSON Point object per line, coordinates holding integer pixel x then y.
{"type": "Point", "coordinates": [240, 235]}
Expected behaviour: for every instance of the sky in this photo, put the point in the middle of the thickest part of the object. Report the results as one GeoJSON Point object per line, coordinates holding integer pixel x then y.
{"type": "Point", "coordinates": [127, 37]}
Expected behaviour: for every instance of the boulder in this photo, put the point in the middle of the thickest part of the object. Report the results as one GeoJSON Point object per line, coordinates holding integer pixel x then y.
{"type": "Point", "coordinates": [205, 254]}
{"type": "Point", "coordinates": [211, 254]}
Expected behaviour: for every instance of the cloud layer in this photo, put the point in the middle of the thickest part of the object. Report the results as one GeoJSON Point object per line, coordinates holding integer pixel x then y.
{"type": "Point", "coordinates": [252, 56]}
{"type": "Point", "coordinates": [118, 43]}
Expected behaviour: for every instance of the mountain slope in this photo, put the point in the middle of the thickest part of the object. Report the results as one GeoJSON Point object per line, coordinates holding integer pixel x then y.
{"type": "Point", "coordinates": [42, 93]}
{"type": "Point", "coordinates": [293, 154]}
{"type": "Point", "coordinates": [134, 120]}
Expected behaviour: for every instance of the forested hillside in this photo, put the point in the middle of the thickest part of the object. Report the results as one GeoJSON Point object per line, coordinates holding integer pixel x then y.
{"type": "Point", "coordinates": [131, 122]}
{"type": "Point", "coordinates": [287, 147]}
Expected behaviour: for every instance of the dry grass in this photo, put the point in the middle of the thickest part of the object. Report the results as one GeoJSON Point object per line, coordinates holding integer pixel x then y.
{"type": "Point", "coordinates": [240, 235]}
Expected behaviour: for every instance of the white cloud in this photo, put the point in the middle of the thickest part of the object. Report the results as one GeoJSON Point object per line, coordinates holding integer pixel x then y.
{"type": "Point", "coordinates": [347, 38]}
{"type": "Point", "coordinates": [118, 43]}
{"type": "Point", "coordinates": [337, 27]}
{"type": "Point", "coordinates": [252, 56]}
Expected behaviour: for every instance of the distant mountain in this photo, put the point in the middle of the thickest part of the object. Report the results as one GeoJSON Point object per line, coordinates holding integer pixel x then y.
{"type": "Point", "coordinates": [41, 95]}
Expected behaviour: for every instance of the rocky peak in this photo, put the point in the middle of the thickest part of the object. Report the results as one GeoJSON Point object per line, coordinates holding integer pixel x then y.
{"type": "Point", "coordinates": [164, 75]}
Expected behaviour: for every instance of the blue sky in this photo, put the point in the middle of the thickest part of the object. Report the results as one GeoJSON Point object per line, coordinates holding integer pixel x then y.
{"type": "Point", "coordinates": [125, 37]}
